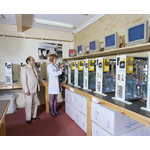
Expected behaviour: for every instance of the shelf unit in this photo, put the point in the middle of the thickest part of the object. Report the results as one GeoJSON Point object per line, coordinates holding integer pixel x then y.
{"type": "Point", "coordinates": [118, 51]}
{"type": "Point", "coordinates": [141, 48]}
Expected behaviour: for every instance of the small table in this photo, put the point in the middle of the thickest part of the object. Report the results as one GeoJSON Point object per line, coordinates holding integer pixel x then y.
{"type": "Point", "coordinates": [19, 86]}
{"type": "Point", "coordinates": [3, 109]}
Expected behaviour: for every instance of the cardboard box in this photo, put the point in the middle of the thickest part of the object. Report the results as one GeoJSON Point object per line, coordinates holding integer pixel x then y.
{"type": "Point", "coordinates": [98, 131]}
{"type": "Point", "coordinates": [141, 131]}
{"type": "Point", "coordinates": [112, 121]}
{"type": "Point", "coordinates": [96, 113]}
{"type": "Point", "coordinates": [75, 100]}
{"type": "Point", "coordinates": [66, 108]}
{"type": "Point", "coordinates": [70, 97]}
{"type": "Point", "coordinates": [9, 96]}
{"type": "Point", "coordinates": [116, 123]}
{"type": "Point", "coordinates": [80, 119]}
{"type": "Point", "coordinates": [69, 109]}
{"type": "Point", "coordinates": [80, 103]}
{"type": "Point", "coordinates": [77, 116]}
{"type": "Point", "coordinates": [83, 122]}
{"type": "Point", "coordinates": [71, 112]}
{"type": "Point", "coordinates": [66, 94]}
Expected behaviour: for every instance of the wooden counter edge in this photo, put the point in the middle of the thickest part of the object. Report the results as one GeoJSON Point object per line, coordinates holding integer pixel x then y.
{"type": "Point", "coordinates": [2, 121]}
{"type": "Point", "coordinates": [129, 113]}
{"type": "Point", "coordinates": [3, 116]}
{"type": "Point", "coordinates": [18, 86]}
{"type": "Point", "coordinates": [11, 86]}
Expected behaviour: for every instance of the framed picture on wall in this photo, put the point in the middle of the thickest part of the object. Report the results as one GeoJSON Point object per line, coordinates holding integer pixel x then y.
{"type": "Point", "coordinates": [46, 49]}
{"type": "Point", "coordinates": [72, 52]}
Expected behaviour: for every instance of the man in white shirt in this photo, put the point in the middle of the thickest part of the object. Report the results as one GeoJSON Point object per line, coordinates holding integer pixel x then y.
{"type": "Point", "coordinates": [30, 83]}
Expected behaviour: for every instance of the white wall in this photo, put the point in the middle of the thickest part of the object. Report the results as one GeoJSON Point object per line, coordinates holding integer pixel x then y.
{"type": "Point", "coordinates": [19, 49]}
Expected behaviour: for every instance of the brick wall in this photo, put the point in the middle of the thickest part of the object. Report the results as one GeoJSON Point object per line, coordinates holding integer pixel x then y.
{"type": "Point", "coordinates": [107, 25]}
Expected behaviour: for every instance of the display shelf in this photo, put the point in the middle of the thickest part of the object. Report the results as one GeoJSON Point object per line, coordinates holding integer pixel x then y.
{"type": "Point", "coordinates": [118, 51]}
{"type": "Point", "coordinates": [133, 111]}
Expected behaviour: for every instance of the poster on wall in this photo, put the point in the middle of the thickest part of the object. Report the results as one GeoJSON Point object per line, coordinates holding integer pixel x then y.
{"type": "Point", "coordinates": [71, 52]}
{"type": "Point", "coordinates": [46, 49]}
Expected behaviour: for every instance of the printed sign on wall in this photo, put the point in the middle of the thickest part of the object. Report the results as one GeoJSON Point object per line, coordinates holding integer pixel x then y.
{"type": "Point", "coordinates": [46, 49]}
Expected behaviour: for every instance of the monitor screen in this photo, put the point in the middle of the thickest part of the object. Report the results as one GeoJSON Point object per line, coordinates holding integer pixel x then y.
{"type": "Point", "coordinates": [110, 40]}
{"type": "Point", "coordinates": [92, 45]}
{"type": "Point", "coordinates": [80, 49]}
{"type": "Point", "coordinates": [136, 33]}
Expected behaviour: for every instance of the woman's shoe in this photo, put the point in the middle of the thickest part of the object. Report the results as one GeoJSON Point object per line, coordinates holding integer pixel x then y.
{"type": "Point", "coordinates": [54, 115]}
{"type": "Point", "coordinates": [58, 114]}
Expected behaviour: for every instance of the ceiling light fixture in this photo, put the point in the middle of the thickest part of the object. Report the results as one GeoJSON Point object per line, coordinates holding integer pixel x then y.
{"type": "Point", "coordinates": [52, 23]}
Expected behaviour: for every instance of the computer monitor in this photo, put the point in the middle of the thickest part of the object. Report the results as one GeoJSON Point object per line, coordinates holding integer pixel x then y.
{"type": "Point", "coordinates": [94, 46]}
{"type": "Point", "coordinates": [81, 49]}
{"type": "Point", "coordinates": [112, 41]}
{"type": "Point", "coordinates": [138, 33]}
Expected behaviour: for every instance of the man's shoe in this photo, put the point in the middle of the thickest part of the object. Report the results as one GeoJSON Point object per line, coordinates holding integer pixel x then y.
{"type": "Point", "coordinates": [29, 122]}
{"type": "Point", "coordinates": [35, 118]}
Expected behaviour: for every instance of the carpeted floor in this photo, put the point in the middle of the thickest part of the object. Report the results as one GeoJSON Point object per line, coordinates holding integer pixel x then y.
{"type": "Point", "coordinates": [62, 125]}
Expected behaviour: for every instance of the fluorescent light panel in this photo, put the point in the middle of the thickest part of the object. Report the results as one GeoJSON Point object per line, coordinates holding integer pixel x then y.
{"type": "Point", "coordinates": [52, 23]}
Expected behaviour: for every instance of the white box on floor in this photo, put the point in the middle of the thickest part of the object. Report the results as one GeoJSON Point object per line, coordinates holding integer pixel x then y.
{"type": "Point", "coordinates": [83, 122]}
{"type": "Point", "coordinates": [82, 104]}
{"type": "Point", "coordinates": [69, 109]}
{"type": "Point", "coordinates": [66, 108]}
{"type": "Point", "coordinates": [96, 114]}
{"type": "Point", "coordinates": [77, 116]}
{"type": "Point", "coordinates": [66, 94]}
{"type": "Point", "coordinates": [116, 123]}
{"type": "Point", "coordinates": [75, 100]}
{"type": "Point", "coordinates": [141, 131]}
{"type": "Point", "coordinates": [72, 112]}
{"type": "Point", "coordinates": [9, 96]}
{"type": "Point", "coordinates": [70, 97]}
{"type": "Point", "coordinates": [98, 131]}
{"type": "Point", "coordinates": [80, 119]}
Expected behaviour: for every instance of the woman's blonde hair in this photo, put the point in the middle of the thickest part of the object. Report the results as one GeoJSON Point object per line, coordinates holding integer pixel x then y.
{"type": "Point", "coordinates": [52, 57]}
